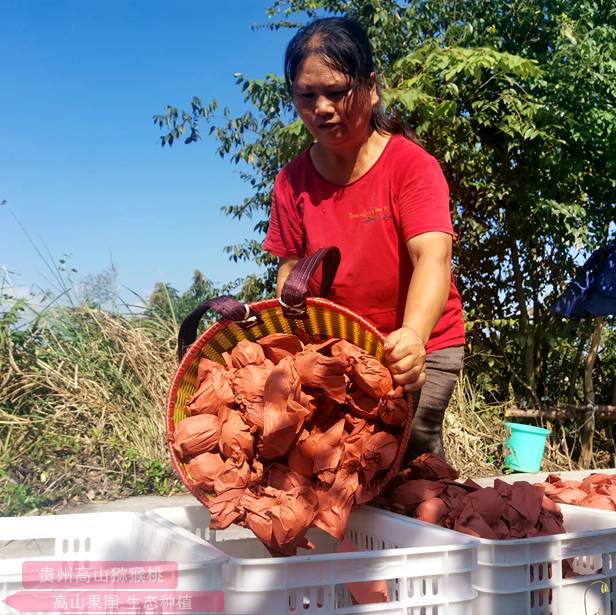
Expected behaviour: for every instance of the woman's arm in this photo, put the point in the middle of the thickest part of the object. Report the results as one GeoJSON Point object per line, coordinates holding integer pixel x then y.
{"type": "Point", "coordinates": [284, 268]}
{"type": "Point", "coordinates": [427, 294]}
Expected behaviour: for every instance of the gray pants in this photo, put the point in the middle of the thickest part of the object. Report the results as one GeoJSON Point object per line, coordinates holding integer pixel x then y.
{"type": "Point", "coordinates": [443, 368]}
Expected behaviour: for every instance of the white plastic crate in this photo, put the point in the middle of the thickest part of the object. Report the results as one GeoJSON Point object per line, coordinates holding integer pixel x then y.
{"type": "Point", "coordinates": [427, 569]}
{"type": "Point", "coordinates": [525, 576]}
{"type": "Point", "coordinates": [590, 543]}
{"type": "Point", "coordinates": [539, 477]}
{"type": "Point", "coordinates": [96, 537]}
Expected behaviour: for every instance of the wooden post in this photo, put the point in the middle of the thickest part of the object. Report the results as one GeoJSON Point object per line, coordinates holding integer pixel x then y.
{"type": "Point", "coordinates": [566, 411]}
{"type": "Point", "coordinates": [588, 429]}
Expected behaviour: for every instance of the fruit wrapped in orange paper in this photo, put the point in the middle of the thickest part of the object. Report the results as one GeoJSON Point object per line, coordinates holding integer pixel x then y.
{"type": "Point", "coordinates": [295, 434]}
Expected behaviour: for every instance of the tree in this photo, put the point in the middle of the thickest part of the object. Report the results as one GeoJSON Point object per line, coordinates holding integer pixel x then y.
{"type": "Point", "coordinates": [167, 303]}
{"type": "Point", "coordinates": [99, 289]}
{"type": "Point", "coordinates": [163, 302]}
{"type": "Point", "coordinates": [517, 100]}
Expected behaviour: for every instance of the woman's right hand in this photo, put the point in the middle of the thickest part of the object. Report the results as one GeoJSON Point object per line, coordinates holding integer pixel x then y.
{"type": "Point", "coordinates": [405, 356]}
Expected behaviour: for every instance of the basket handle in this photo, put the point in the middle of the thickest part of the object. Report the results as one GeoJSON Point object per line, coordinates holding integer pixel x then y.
{"type": "Point", "coordinates": [292, 300]}
{"type": "Point", "coordinates": [226, 307]}
{"type": "Point", "coordinates": [295, 288]}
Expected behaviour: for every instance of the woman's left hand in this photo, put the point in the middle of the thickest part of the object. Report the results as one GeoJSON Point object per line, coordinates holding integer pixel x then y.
{"type": "Point", "coordinates": [405, 356]}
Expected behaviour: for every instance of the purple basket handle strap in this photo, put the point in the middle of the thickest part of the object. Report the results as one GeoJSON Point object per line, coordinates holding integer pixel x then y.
{"type": "Point", "coordinates": [226, 307]}
{"type": "Point", "coordinates": [295, 288]}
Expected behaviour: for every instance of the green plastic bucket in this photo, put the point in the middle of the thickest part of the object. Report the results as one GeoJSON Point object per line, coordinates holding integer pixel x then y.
{"type": "Point", "coordinates": [525, 446]}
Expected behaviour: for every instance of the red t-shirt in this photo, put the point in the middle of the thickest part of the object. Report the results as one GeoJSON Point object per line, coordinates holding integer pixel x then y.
{"type": "Point", "coordinates": [402, 195]}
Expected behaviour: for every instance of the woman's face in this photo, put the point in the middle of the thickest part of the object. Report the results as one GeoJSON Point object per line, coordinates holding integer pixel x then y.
{"type": "Point", "coordinates": [334, 115]}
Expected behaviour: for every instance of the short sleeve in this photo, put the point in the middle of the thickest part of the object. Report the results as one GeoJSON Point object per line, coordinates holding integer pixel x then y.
{"type": "Point", "coordinates": [284, 237]}
{"type": "Point", "coordinates": [423, 198]}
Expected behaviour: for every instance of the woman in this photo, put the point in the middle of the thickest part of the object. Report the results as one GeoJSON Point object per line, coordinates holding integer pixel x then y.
{"type": "Point", "coordinates": [369, 189]}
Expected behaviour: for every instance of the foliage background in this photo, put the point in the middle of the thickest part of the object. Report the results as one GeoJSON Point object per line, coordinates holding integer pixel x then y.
{"type": "Point", "coordinates": [517, 100]}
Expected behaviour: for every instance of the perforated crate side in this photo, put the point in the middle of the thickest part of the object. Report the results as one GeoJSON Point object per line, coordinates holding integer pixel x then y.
{"type": "Point", "coordinates": [427, 569]}
{"type": "Point", "coordinates": [113, 536]}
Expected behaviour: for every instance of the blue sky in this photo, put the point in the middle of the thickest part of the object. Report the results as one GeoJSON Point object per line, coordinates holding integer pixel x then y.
{"type": "Point", "coordinates": [80, 163]}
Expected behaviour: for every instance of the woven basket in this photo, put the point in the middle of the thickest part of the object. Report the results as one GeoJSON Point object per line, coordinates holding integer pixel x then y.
{"type": "Point", "coordinates": [293, 313]}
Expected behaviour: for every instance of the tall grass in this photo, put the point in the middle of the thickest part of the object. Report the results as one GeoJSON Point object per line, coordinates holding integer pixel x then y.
{"type": "Point", "coordinates": [82, 406]}
{"type": "Point", "coordinates": [474, 434]}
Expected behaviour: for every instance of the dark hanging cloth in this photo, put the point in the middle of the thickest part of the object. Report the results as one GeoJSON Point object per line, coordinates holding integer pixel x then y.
{"type": "Point", "coordinates": [593, 291]}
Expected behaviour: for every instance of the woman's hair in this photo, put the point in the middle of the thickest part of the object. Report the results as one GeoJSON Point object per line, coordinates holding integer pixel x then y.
{"type": "Point", "coordinates": [344, 46]}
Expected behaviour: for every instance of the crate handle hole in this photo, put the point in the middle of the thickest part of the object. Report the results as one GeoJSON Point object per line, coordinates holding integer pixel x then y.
{"type": "Point", "coordinates": [320, 598]}
{"type": "Point", "coordinates": [292, 602]}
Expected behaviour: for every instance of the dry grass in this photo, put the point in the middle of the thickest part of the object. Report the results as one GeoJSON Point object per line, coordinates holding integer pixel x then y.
{"type": "Point", "coordinates": [82, 408]}
{"type": "Point", "coordinates": [474, 436]}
